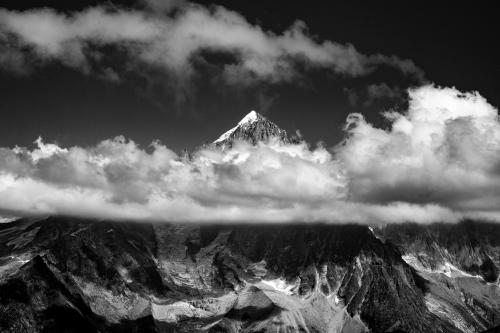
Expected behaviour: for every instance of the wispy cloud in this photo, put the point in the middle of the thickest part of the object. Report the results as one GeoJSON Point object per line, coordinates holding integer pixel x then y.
{"type": "Point", "coordinates": [175, 40]}
{"type": "Point", "coordinates": [439, 161]}
{"type": "Point", "coordinates": [373, 93]}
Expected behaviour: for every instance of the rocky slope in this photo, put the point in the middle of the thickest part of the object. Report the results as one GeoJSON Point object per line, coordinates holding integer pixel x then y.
{"type": "Point", "coordinates": [72, 275]}
{"type": "Point", "coordinates": [461, 265]}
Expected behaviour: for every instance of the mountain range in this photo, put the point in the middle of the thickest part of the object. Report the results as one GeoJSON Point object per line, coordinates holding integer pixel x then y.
{"type": "Point", "coordinates": [66, 274]}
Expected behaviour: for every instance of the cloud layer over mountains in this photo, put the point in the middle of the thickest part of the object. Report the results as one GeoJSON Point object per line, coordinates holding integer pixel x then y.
{"type": "Point", "coordinates": [438, 161]}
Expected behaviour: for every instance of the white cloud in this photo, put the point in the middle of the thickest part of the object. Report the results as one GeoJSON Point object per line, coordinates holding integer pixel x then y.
{"type": "Point", "coordinates": [173, 40]}
{"type": "Point", "coordinates": [444, 150]}
{"type": "Point", "coordinates": [118, 179]}
{"type": "Point", "coordinates": [439, 161]}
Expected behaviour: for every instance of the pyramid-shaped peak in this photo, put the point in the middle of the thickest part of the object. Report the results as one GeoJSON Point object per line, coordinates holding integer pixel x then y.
{"type": "Point", "coordinates": [251, 117]}
{"type": "Point", "coordinates": [253, 128]}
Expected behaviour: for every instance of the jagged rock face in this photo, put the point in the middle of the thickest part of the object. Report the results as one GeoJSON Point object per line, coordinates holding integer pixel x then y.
{"type": "Point", "coordinates": [72, 272]}
{"type": "Point", "coordinates": [71, 275]}
{"type": "Point", "coordinates": [460, 263]}
{"type": "Point", "coordinates": [253, 128]}
{"type": "Point", "coordinates": [345, 262]}
{"type": "Point", "coordinates": [472, 247]}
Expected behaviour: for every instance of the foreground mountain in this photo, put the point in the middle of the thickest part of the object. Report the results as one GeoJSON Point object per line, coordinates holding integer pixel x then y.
{"type": "Point", "coordinates": [73, 275]}
{"type": "Point", "coordinates": [461, 266]}
{"type": "Point", "coordinates": [61, 274]}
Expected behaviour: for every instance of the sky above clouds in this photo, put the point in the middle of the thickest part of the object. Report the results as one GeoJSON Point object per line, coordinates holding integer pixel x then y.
{"type": "Point", "coordinates": [102, 83]}
{"type": "Point", "coordinates": [118, 88]}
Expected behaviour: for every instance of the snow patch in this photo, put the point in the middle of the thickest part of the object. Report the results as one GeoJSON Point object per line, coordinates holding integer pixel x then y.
{"type": "Point", "coordinates": [11, 264]}
{"type": "Point", "coordinates": [280, 285]}
{"type": "Point", "coordinates": [452, 271]}
{"type": "Point", "coordinates": [442, 310]}
{"type": "Point", "coordinates": [226, 135]}
{"type": "Point", "coordinates": [447, 268]}
{"type": "Point", "coordinates": [8, 219]}
{"type": "Point", "coordinates": [380, 238]}
{"type": "Point", "coordinates": [415, 263]}
{"type": "Point", "coordinates": [124, 273]}
{"type": "Point", "coordinates": [173, 312]}
{"type": "Point", "coordinates": [250, 118]}
{"type": "Point", "coordinates": [201, 309]}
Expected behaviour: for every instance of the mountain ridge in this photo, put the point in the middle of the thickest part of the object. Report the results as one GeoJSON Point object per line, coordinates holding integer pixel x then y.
{"type": "Point", "coordinates": [238, 278]}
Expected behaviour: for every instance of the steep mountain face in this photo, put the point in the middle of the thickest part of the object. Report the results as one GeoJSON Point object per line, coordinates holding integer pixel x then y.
{"type": "Point", "coordinates": [253, 128]}
{"type": "Point", "coordinates": [461, 265]}
{"type": "Point", "coordinates": [64, 275]}
{"type": "Point", "coordinates": [472, 247]}
{"type": "Point", "coordinates": [73, 275]}
{"type": "Point", "coordinates": [60, 274]}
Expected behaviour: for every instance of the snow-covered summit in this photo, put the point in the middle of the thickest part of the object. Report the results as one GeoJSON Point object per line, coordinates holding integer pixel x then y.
{"type": "Point", "coordinates": [251, 117]}
{"type": "Point", "coordinates": [252, 128]}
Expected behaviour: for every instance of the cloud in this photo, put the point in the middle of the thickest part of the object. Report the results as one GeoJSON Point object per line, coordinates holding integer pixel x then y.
{"type": "Point", "coordinates": [12, 58]}
{"type": "Point", "coordinates": [176, 40]}
{"type": "Point", "coordinates": [443, 150]}
{"type": "Point", "coordinates": [383, 91]}
{"type": "Point", "coordinates": [118, 179]}
{"type": "Point", "coordinates": [373, 93]}
{"type": "Point", "coordinates": [438, 161]}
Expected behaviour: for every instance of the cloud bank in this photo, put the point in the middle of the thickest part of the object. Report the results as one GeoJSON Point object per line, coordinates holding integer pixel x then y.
{"type": "Point", "coordinates": [174, 41]}
{"type": "Point", "coordinates": [444, 149]}
{"type": "Point", "coordinates": [438, 161]}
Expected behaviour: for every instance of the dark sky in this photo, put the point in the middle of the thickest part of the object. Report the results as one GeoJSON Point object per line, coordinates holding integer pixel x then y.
{"type": "Point", "coordinates": [455, 45]}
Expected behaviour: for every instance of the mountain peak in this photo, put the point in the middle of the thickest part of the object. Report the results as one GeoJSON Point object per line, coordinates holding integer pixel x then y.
{"type": "Point", "coordinates": [251, 117]}
{"type": "Point", "coordinates": [252, 128]}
